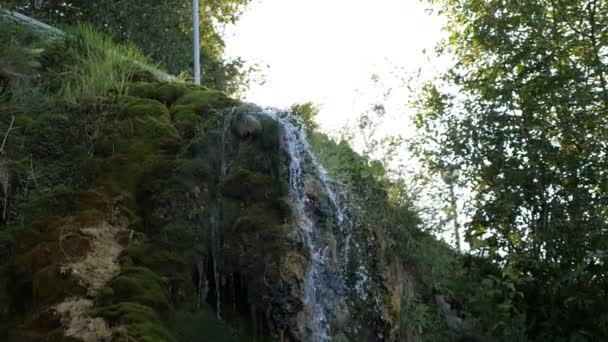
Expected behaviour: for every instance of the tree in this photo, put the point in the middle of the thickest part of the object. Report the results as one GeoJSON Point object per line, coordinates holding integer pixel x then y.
{"type": "Point", "coordinates": [308, 111]}
{"type": "Point", "coordinates": [162, 29]}
{"type": "Point", "coordinates": [523, 113]}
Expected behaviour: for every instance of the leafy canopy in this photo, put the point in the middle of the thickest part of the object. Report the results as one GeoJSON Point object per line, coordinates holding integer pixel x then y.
{"type": "Point", "coordinates": [523, 114]}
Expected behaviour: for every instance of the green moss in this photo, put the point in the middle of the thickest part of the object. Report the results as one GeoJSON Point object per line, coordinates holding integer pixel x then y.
{"type": "Point", "coordinates": [104, 296]}
{"type": "Point", "coordinates": [248, 185]}
{"type": "Point", "coordinates": [133, 107]}
{"type": "Point", "coordinates": [145, 90]}
{"type": "Point", "coordinates": [201, 326]}
{"type": "Point", "coordinates": [262, 230]}
{"type": "Point", "coordinates": [137, 299]}
{"type": "Point", "coordinates": [65, 204]}
{"type": "Point", "coordinates": [158, 132]}
{"type": "Point", "coordinates": [51, 135]}
{"type": "Point", "coordinates": [127, 148]}
{"type": "Point", "coordinates": [199, 110]}
{"type": "Point", "coordinates": [140, 321]}
{"type": "Point", "coordinates": [187, 122]}
{"type": "Point", "coordinates": [141, 285]}
{"type": "Point", "coordinates": [140, 137]}
{"type": "Point", "coordinates": [174, 193]}
{"type": "Point", "coordinates": [172, 261]}
{"type": "Point", "coordinates": [164, 260]}
{"type": "Point", "coordinates": [203, 102]}
{"type": "Point", "coordinates": [119, 176]}
{"type": "Point", "coordinates": [170, 92]}
{"type": "Point", "coordinates": [166, 93]}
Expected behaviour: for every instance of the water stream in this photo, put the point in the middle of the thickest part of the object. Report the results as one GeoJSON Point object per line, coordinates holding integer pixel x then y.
{"type": "Point", "coordinates": [324, 287]}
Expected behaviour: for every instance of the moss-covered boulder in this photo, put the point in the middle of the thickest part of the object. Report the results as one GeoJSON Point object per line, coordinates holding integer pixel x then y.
{"type": "Point", "coordinates": [107, 155]}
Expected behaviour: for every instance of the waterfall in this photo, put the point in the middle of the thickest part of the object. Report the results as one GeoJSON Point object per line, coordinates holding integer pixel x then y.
{"type": "Point", "coordinates": [324, 287]}
{"type": "Point", "coordinates": [217, 217]}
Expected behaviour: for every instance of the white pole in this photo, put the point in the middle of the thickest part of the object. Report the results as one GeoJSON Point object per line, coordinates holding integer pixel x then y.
{"type": "Point", "coordinates": [196, 42]}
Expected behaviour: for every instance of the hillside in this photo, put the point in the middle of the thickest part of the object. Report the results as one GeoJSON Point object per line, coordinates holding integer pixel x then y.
{"type": "Point", "coordinates": [142, 210]}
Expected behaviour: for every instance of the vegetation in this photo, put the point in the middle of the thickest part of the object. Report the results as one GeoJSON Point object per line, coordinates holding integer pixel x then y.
{"type": "Point", "coordinates": [82, 130]}
{"type": "Point", "coordinates": [522, 115]}
{"type": "Point", "coordinates": [200, 205]}
{"type": "Point", "coordinates": [161, 29]}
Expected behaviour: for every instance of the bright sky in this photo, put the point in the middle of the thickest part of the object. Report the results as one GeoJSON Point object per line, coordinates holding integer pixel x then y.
{"type": "Point", "coordinates": [326, 51]}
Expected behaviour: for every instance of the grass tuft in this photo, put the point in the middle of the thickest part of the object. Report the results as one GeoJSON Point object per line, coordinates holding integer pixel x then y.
{"type": "Point", "coordinates": [102, 67]}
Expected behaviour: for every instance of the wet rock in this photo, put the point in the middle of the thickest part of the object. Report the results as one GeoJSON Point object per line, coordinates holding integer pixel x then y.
{"type": "Point", "coordinates": [293, 271]}
{"type": "Point", "coordinates": [246, 126]}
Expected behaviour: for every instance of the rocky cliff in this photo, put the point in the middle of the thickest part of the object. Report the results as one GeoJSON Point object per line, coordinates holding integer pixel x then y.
{"type": "Point", "coordinates": [142, 210]}
{"type": "Point", "coordinates": [184, 205]}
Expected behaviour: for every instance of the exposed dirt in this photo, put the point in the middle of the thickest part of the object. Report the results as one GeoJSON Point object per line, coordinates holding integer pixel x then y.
{"type": "Point", "coordinates": [75, 315]}
{"type": "Point", "coordinates": [92, 271]}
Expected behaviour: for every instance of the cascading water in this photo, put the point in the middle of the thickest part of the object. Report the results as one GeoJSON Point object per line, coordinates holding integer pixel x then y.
{"type": "Point", "coordinates": [324, 287]}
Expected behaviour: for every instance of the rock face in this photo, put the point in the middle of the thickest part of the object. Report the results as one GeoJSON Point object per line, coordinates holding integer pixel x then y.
{"type": "Point", "coordinates": [246, 125]}
{"type": "Point", "coordinates": [227, 229]}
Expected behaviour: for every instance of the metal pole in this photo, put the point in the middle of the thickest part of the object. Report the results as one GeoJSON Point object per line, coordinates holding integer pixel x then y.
{"type": "Point", "coordinates": [37, 25]}
{"type": "Point", "coordinates": [196, 42]}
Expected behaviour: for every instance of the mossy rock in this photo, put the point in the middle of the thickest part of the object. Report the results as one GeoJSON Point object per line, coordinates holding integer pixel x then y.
{"type": "Point", "coordinates": [248, 185]}
{"type": "Point", "coordinates": [167, 92]}
{"type": "Point", "coordinates": [157, 131]}
{"type": "Point", "coordinates": [49, 286]}
{"type": "Point", "coordinates": [104, 296]}
{"type": "Point", "coordinates": [141, 285]}
{"type": "Point", "coordinates": [261, 231]}
{"type": "Point", "coordinates": [144, 90]}
{"type": "Point", "coordinates": [170, 92]}
{"type": "Point", "coordinates": [202, 326]}
{"type": "Point", "coordinates": [164, 260]}
{"type": "Point", "coordinates": [173, 193]}
{"type": "Point", "coordinates": [202, 102]}
{"type": "Point", "coordinates": [36, 279]}
{"type": "Point", "coordinates": [54, 245]}
{"type": "Point", "coordinates": [270, 139]}
{"type": "Point", "coordinates": [187, 122]}
{"type": "Point", "coordinates": [119, 176]}
{"type": "Point", "coordinates": [133, 107]}
{"type": "Point", "coordinates": [45, 134]}
{"type": "Point", "coordinates": [170, 262]}
{"type": "Point", "coordinates": [141, 323]}
{"type": "Point", "coordinates": [66, 204]}
{"type": "Point", "coordinates": [142, 75]}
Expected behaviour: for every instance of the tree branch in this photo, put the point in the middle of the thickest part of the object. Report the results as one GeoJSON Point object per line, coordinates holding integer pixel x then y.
{"type": "Point", "coordinates": [7, 133]}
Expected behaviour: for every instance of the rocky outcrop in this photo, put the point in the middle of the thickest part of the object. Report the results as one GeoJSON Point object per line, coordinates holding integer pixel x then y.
{"type": "Point", "coordinates": [199, 216]}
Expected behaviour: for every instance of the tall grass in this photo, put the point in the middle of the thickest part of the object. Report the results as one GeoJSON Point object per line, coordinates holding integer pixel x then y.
{"type": "Point", "coordinates": [102, 67]}
{"type": "Point", "coordinates": [83, 63]}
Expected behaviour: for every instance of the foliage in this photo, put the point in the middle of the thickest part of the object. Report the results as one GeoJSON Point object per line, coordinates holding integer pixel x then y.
{"type": "Point", "coordinates": [422, 319]}
{"type": "Point", "coordinates": [384, 205]}
{"type": "Point", "coordinates": [144, 324]}
{"type": "Point", "coordinates": [497, 304]}
{"type": "Point", "coordinates": [162, 29]}
{"type": "Point", "coordinates": [82, 64]}
{"type": "Point", "coordinates": [308, 112]}
{"type": "Point", "coordinates": [522, 113]}
{"type": "Point", "coordinates": [20, 51]}
{"type": "Point", "coordinates": [79, 143]}
{"type": "Point", "coordinates": [100, 66]}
